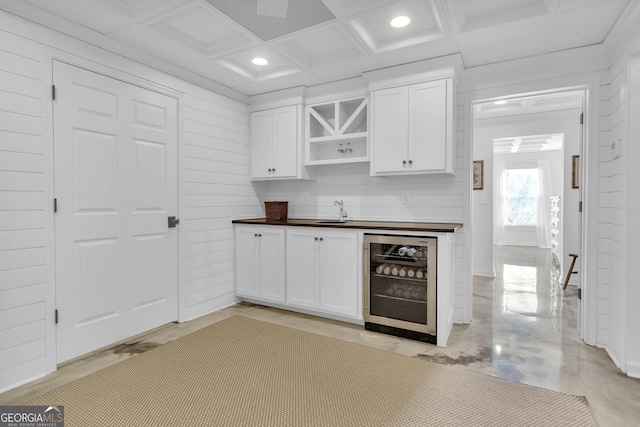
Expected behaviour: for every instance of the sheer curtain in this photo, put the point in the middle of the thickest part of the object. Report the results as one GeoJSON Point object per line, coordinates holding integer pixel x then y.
{"type": "Point", "coordinates": [544, 209]}
{"type": "Point", "coordinates": [498, 203]}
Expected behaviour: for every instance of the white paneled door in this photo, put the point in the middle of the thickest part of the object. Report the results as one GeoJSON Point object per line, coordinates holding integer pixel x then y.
{"type": "Point", "coordinates": [115, 153]}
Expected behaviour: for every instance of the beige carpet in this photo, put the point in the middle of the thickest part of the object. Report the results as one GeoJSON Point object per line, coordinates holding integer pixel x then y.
{"type": "Point", "coordinates": [246, 372]}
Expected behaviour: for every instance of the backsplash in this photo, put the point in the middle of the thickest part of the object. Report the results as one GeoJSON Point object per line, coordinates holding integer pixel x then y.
{"type": "Point", "coordinates": [430, 197]}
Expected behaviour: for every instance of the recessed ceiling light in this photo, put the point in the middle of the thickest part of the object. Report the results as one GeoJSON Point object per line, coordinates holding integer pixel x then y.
{"type": "Point", "coordinates": [501, 102]}
{"type": "Point", "coordinates": [261, 62]}
{"type": "Point", "coordinates": [400, 21]}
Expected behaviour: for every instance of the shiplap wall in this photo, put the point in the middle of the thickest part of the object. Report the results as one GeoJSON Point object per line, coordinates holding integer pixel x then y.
{"type": "Point", "coordinates": [438, 198]}
{"type": "Point", "coordinates": [611, 280]}
{"type": "Point", "coordinates": [22, 225]}
{"type": "Point", "coordinates": [216, 186]}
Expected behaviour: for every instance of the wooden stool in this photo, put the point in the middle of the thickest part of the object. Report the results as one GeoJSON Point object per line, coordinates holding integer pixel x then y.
{"type": "Point", "coordinates": [570, 272]}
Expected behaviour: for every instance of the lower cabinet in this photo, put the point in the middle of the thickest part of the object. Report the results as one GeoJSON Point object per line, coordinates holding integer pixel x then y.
{"type": "Point", "coordinates": [322, 270]}
{"type": "Point", "coordinates": [260, 262]}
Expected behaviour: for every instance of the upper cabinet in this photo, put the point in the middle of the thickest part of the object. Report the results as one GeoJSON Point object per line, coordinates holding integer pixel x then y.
{"type": "Point", "coordinates": [412, 129]}
{"type": "Point", "coordinates": [336, 132]}
{"type": "Point", "coordinates": [276, 143]}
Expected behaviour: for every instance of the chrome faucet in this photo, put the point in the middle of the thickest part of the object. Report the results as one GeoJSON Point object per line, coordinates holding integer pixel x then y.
{"type": "Point", "coordinates": [343, 213]}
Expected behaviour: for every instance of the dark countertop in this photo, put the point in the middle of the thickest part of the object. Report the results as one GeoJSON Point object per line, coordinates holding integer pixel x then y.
{"type": "Point", "coordinates": [440, 227]}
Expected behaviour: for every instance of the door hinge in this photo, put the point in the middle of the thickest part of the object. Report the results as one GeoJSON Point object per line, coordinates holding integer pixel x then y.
{"type": "Point", "coordinates": [56, 316]}
{"type": "Point", "coordinates": [581, 118]}
{"type": "Point", "coordinates": [55, 205]}
{"type": "Point", "coordinates": [580, 206]}
{"type": "Point", "coordinates": [53, 92]}
{"type": "Point", "coordinates": [579, 293]}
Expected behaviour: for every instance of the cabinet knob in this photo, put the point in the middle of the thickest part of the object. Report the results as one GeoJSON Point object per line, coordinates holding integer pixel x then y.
{"type": "Point", "coordinates": [321, 239]}
{"type": "Point", "coordinates": [269, 169]}
{"type": "Point", "coordinates": [404, 162]}
{"type": "Point", "coordinates": [255, 234]}
{"type": "Point", "coordinates": [410, 162]}
{"type": "Point", "coordinates": [273, 170]}
{"type": "Point", "coordinates": [259, 235]}
{"type": "Point", "coordinates": [315, 238]}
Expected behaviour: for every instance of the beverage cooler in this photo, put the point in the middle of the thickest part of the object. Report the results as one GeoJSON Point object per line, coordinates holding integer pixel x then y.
{"type": "Point", "coordinates": [400, 286]}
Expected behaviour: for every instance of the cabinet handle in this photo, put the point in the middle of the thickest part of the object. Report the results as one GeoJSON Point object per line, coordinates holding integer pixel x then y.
{"type": "Point", "coordinates": [410, 162]}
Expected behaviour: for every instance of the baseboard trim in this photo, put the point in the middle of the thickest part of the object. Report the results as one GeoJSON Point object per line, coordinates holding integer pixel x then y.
{"type": "Point", "coordinates": [633, 369]}
{"type": "Point", "coordinates": [484, 273]}
{"type": "Point", "coordinates": [614, 359]}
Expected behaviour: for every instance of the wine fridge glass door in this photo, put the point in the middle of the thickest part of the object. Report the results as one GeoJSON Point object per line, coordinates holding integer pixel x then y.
{"type": "Point", "coordinates": [401, 281]}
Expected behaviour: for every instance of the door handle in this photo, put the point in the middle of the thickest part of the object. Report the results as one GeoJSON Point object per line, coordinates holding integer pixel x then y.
{"type": "Point", "coordinates": [172, 221]}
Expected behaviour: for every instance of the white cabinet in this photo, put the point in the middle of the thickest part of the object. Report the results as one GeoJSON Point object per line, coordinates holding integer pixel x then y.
{"type": "Point", "coordinates": [322, 270]}
{"type": "Point", "coordinates": [412, 129]}
{"type": "Point", "coordinates": [260, 262]}
{"type": "Point", "coordinates": [336, 132]}
{"type": "Point", "coordinates": [275, 143]}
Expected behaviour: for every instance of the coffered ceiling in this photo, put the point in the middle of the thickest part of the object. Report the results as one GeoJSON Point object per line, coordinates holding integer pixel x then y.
{"type": "Point", "coordinates": [309, 42]}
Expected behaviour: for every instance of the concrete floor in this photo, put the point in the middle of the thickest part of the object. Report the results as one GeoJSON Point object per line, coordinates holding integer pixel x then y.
{"type": "Point", "coordinates": [524, 329]}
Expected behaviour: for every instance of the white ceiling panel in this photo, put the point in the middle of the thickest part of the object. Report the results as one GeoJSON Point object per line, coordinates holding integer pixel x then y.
{"type": "Point", "coordinates": [374, 28]}
{"type": "Point", "coordinates": [503, 42]}
{"type": "Point", "coordinates": [585, 25]}
{"type": "Point", "coordinates": [151, 42]}
{"type": "Point", "coordinates": [470, 15]}
{"type": "Point", "coordinates": [345, 69]}
{"type": "Point", "coordinates": [211, 69]}
{"type": "Point", "coordinates": [323, 45]}
{"type": "Point", "coordinates": [135, 10]}
{"type": "Point", "coordinates": [202, 29]}
{"type": "Point", "coordinates": [300, 79]}
{"type": "Point", "coordinates": [85, 13]}
{"type": "Point", "coordinates": [321, 41]}
{"type": "Point", "coordinates": [346, 8]}
{"type": "Point", "coordinates": [241, 63]}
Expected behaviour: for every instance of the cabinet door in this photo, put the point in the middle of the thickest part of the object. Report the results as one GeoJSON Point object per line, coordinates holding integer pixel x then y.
{"type": "Point", "coordinates": [285, 142]}
{"type": "Point", "coordinates": [390, 130]}
{"type": "Point", "coordinates": [427, 126]}
{"type": "Point", "coordinates": [261, 144]}
{"type": "Point", "coordinates": [339, 273]}
{"type": "Point", "coordinates": [272, 277]}
{"type": "Point", "coordinates": [302, 268]}
{"type": "Point", "coordinates": [247, 262]}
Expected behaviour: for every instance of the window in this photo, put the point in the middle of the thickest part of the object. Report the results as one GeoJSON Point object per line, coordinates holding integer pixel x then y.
{"type": "Point", "coordinates": [521, 195]}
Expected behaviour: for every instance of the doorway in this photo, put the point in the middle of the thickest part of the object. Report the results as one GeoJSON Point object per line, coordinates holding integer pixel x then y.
{"type": "Point", "coordinates": [531, 125]}
{"type": "Point", "coordinates": [115, 161]}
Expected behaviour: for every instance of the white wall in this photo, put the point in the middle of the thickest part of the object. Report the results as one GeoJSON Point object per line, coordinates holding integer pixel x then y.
{"type": "Point", "coordinates": [612, 217]}
{"type": "Point", "coordinates": [565, 122]}
{"type": "Point", "coordinates": [214, 186]}
{"type": "Point", "coordinates": [632, 154]}
{"type": "Point", "coordinates": [22, 211]}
